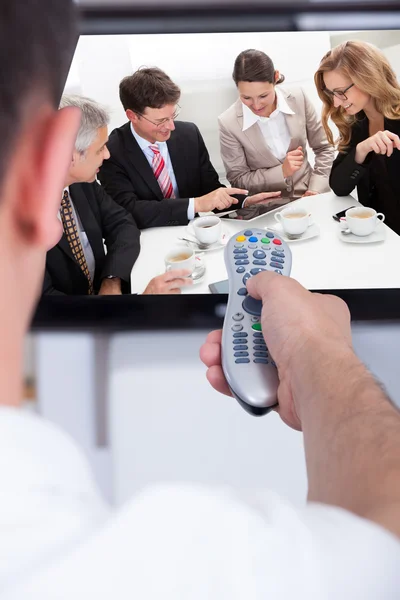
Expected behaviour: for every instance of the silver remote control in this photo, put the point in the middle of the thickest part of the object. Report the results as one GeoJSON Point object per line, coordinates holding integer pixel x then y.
{"type": "Point", "coordinates": [249, 370]}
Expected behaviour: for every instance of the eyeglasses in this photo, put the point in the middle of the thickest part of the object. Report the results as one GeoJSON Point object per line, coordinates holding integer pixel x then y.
{"type": "Point", "coordinates": [341, 94]}
{"type": "Point", "coordinates": [163, 121]}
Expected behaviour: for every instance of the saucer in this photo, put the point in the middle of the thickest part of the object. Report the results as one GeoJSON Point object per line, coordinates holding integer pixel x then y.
{"type": "Point", "coordinates": [189, 233]}
{"type": "Point", "coordinates": [311, 232]}
{"type": "Point", "coordinates": [199, 271]}
{"type": "Point", "coordinates": [376, 236]}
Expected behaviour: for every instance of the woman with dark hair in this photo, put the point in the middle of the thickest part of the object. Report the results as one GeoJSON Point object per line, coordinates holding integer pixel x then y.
{"type": "Point", "coordinates": [361, 94]}
{"type": "Point", "coordinates": [263, 135]}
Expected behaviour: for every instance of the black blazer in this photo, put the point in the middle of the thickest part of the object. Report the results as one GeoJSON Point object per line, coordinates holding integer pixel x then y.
{"type": "Point", "coordinates": [128, 177]}
{"type": "Point", "coordinates": [101, 219]}
{"type": "Point", "coordinates": [377, 179]}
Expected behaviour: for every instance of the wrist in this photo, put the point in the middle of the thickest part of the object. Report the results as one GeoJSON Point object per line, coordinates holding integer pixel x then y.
{"type": "Point", "coordinates": [360, 154]}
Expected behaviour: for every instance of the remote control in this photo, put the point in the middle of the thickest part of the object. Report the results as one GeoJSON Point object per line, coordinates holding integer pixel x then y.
{"type": "Point", "coordinates": [249, 370]}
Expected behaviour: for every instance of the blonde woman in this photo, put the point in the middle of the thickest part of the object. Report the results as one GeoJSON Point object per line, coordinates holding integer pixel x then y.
{"type": "Point", "coordinates": [264, 134]}
{"type": "Point", "coordinates": [361, 95]}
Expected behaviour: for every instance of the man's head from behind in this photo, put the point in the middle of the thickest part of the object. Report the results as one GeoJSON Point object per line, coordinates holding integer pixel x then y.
{"type": "Point", "coordinates": [150, 99]}
{"type": "Point", "coordinates": [91, 142]}
{"type": "Point", "coordinates": [37, 38]}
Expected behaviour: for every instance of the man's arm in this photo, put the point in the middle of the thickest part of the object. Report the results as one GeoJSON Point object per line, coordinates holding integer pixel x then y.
{"type": "Point", "coordinates": [351, 429]}
{"type": "Point", "coordinates": [48, 286]}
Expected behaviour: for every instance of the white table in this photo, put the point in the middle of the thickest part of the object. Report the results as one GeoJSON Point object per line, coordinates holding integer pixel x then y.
{"type": "Point", "coordinates": [323, 262]}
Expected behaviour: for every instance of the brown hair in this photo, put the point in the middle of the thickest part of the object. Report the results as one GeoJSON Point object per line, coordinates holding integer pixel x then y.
{"type": "Point", "coordinates": [254, 65]}
{"type": "Point", "coordinates": [366, 67]}
{"type": "Point", "coordinates": [148, 87]}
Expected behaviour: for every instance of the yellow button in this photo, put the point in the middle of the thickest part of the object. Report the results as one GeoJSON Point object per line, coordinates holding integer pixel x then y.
{"type": "Point", "coordinates": [241, 238]}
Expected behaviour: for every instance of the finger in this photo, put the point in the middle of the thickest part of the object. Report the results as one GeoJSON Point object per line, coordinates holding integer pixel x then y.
{"type": "Point", "coordinates": [236, 191]}
{"type": "Point", "coordinates": [177, 283]}
{"type": "Point", "coordinates": [388, 143]}
{"type": "Point", "coordinates": [210, 354]}
{"type": "Point", "coordinates": [175, 274]}
{"type": "Point", "coordinates": [394, 137]}
{"type": "Point", "coordinates": [375, 148]}
{"type": "Point", "coordinates": [215, 336]}
{"type": "Point", "coordinates": [217, 379]}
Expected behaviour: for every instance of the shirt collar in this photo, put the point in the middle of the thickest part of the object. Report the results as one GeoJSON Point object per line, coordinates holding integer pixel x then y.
{"type": "Point", "coordinates": [144, 144]}
{"type": "Point", "coordinates": [249, 118]}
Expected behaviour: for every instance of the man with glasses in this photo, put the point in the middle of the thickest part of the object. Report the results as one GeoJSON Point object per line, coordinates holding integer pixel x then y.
{"type": "Point", "coordinates": [159, 169]}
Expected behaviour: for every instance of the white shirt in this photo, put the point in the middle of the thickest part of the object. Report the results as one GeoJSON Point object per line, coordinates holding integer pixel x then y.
{"type": "Point", "coordinates": [172, 542]}
{"type": "Point", "coordinates": [274, 128]}
{"type": "Point", "coordinates": [163, 148]}
{"type": "Point", "coordinates": [86, 247]}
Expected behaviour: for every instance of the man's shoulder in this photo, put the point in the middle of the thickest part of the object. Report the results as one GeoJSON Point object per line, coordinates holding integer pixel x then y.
{"type": "Point", "coordinates": [118, 135]}
{"type": "Point", "coordinates": [186, 128]}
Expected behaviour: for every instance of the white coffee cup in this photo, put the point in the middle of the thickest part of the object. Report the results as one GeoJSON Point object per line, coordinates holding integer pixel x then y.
{"type": "Point", "coordinates": [294, 220]}
{"type": "Point", "coordinates": [207, 229]}
{"type": "Point", "coordinates": [363, 220]}
{"type": "Point", "coordinates": [180, 257]}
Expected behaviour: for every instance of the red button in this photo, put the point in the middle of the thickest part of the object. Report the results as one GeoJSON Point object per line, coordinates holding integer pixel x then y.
{"type": "Point", "coordinates": [277, 242]}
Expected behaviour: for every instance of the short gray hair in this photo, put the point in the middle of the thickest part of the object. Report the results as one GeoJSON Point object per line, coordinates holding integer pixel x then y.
{"type": "Point", "coordinates": [94, 117]}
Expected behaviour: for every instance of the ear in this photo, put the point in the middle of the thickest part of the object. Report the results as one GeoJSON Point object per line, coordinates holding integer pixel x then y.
{"type": "Point", "coordinates": [132, 116]}
{"type": "Point", "coordinates": [48, 150]}
{"type": "Point", "coordinates": [277, 76]}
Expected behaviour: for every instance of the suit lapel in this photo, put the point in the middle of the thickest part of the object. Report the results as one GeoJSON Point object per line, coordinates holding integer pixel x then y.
{"type": "Point", "coordinates": [256, 138]}
{"type": "Point", "coordinates": [140, 162]}
{"type": "Point", "coordinates": [178, 164]}
{"type": "Point", "coordinates": [90, 225]}
{"type": "Point", "coordinates": [293, 123]}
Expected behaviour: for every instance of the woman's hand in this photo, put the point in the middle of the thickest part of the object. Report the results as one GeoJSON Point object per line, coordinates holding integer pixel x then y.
{"type": "Point", "coordinates": [382, 142]}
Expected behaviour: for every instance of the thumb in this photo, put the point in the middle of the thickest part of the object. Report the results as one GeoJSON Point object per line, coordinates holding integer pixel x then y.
{"type": "Point", "coordinates": [258, 286]}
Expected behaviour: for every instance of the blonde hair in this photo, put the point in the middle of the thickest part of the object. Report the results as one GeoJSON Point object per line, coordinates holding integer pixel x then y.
{"type": "Point", "coordinates": [366, 67]}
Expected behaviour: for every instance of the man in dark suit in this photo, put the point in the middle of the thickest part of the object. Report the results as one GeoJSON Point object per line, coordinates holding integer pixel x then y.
{"type": "Point", "coordinates": [78, 264]}
{"type": "Point", "coordinates": [159, 169]}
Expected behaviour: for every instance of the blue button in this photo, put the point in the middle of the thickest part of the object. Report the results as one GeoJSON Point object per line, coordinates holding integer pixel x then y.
{"type": "Point", "coordinates": [270, 235]}
{"type": "Point", "coordinates": [259, 262]}
{"type": "Point", "coordinates": [240, 334]}
{"type": "Point", "coordinates": [242, 292]}
{"type": "Point", "coordinates": [276, 253]}
{"type": "Point", "coordinates": [255, 271]}
{"type": "Point", "coordinates": [240, 354]}
{"type": "Point", "coordinates": [243, 262]}
{"type": "Point", "coordinates": [279, 272]}
{"type": "Point", "coordinates": [248, 232]}
{"type": "Point", "coordinates": [252, 306]}
{"type": "Point", "coordinates": [277, 259]}
{"type": "Point", "coordinates": [240, 270]}
{"type": "Point", "coordinates": [259, 347]}
{"type": "Point", "coordinates": [262, 361]}
{"type": "Point", "coordinates": [259, 254]}
{"type": "Point", "coordinates": [246, 278]}
{"type": "Point", "coordinates": [253, 239]}
{"type": "Point", "coordinates": [256, 334]}
{"type": "Point", "coordinates": [261, 354]}
{"type": "Point", "coordinates": [275, 265]}
{"type": "Point", "coordinates": [240, 347]}
{"type": "Point", "coordinates": [242, 360]}
{"type": "Point", "coordinates": [239, 250]}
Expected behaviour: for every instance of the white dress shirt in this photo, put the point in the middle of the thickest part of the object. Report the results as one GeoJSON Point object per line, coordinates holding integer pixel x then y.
{"type": "Point", "coordinates": [86, 247]}
{"type": "Point", "coordinates": [163, 148]}
{"type": "Point", "coordinates": [172, 542]}
{"type": "Point", "coordinates": [274, 128]}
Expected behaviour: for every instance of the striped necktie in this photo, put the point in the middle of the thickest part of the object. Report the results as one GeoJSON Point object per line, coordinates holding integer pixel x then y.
{"type": "Point", "coordinates": [72, 235]}
{"type": "Point", "coordinates": [161, 173]}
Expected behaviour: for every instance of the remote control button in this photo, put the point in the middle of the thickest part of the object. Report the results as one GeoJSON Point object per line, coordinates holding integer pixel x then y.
{"type": "Point", "coordinates": [275, 265]}
{"type": "Point", "coordinates": [242, 360]}
{"type": "Point", "coordinates": [240, 347]}
{"type": "Point", "coordinates": [261, 354]}
{"type": "Point", "coordinates": [239, 245]}
{"type": "Point", "coordinates": [270, 235]}
{"type": "Point", "coordinates": [252, 306]}
{"type": "Point", "coordinates": [252, 246]}
{"type": "Point", "coordinates": [264, 247]}
{"type": "Point", "coordinates": [278, 259]}
{"type": "Point", "coordinates": [256, 271]}
{"type": "Point", "coordinates": [242, 292]}
{"type": "Point", "coordinates": [253, 238]}
{"type": "Point", "coordinates": [238, 316]}
{"type": "Point", "coordinates": [242, 334]}
{"type": "Point", "coordinates": [260, 347]}
{"type": "Point", "coordinates": [265, 240]}
{"type": "Point", "coordinates": [254, 319]}
{"type": "Point", "coordinates": [240, 270]}
{"type": "Point", "coordinates": [262, 361]}
{"type": "Point", "coordinates": [257, 334]}
{"type": "Point", "coordinates": [248, 232]}
{"type": "Point", "coordinates": [259, 254]}
{"type": "Point", "coordinates": [277, 242]}
{"type": "Point", "coordinates": [240, 238]}
{"type": "Point", "coordinates": [239, 250]}
{"type": "Point", "coordinates": [278, 253]}
{"type": "Point", "coordinates": [259, 262]}
{"type": "Point", "coordinates": [240, 354]}
{"type": "Point", "coordinates": [279, 272]}
{"type": "Point", "coordinates": [242, 262]}
{"type": "Point", "coordinates": [246, 277]}
{"type": "Point", "coordinates": [237, 327]}
{"type": "Point", "coordinates": [256, 326]}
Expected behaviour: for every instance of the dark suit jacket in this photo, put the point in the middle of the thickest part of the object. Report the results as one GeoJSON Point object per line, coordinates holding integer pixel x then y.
{"type": "Point", "coordinates": [128, 177]}
{"type": "Point", "coordinates": [377, 179]}
{"type": "Point", "coordinates": [101, 219]}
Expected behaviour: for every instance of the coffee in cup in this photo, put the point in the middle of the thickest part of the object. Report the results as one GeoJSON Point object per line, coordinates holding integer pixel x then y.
{"type": "Point", "coordinates": [294, 220]}
{"type": "Point", "coordinates": [362, 220]}
{"type": "Point", "coordinates": [207, 229]}
{"type": "Point", "coordinates": [180, 257]}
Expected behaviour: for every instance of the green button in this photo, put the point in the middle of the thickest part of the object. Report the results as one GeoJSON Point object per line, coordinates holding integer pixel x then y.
{"type": "Point", "coordinates": [256, 326]}
{"type": "Point", "coordinates": [265, 241]}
